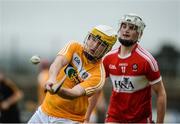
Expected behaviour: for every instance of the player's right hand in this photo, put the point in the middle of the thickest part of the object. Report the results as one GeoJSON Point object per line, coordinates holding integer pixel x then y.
{"type": "Point", "coordinates": [52, 87]}
{"type": "Point", "coordinates": [48, 87]}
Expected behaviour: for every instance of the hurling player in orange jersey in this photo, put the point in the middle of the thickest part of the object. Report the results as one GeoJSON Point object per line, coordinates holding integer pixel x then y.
{"type": "Point", "coordinates": [79, 70]}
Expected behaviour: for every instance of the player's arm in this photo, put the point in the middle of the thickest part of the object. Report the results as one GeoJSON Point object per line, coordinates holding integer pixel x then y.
{"type": "Point", "coordinates": [88, 87]}
{"type": "Point", "coordinates": [159, 89]}
{"type": "Point", "coordinates": [93, 100]}
{"type": "Point", "coordinates": [92, 103]}
{"type": "Point", "coordinates": [75, 92]}
{"type": "Point", "coordinates": [59, 62]}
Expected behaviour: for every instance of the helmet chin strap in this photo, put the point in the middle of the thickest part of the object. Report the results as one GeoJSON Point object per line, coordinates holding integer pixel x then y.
{"type": "Point", "coordinates": [126, 43]}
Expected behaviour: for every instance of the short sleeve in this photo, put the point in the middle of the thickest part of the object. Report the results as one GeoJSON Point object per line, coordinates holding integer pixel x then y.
{"type": "Point", "coordinates": [105, 64]}
{"type": "Point", "coordinates": [95, 82]}
{"type": "Point", "coordinates": [68, 50]}
{"type": "Point", "coordinates": [153, 72]}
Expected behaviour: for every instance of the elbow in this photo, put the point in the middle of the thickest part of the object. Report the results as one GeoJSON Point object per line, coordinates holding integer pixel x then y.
{"type": "Point", "coordinates": [162, 97]}
{"type": "Point", "coordinates": [163, 94]}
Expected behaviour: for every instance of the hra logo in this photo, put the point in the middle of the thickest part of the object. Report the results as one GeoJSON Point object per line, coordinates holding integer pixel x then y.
{"type": "Point", "coordinates": [123, 85]}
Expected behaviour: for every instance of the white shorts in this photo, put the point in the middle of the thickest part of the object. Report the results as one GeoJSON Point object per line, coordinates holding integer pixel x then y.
{"type": "Point", "coordinates": [40, 117]}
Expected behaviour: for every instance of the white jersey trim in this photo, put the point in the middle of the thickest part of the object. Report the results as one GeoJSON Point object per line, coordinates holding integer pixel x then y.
{"type": "Point", "coordinates": [124, 57]}
{"type": "Point", "coordinates": [99, 86]}
{"type": "Point", "coordinates": [65, 49]}
{"type": "Point", "coordinates": [147, 56]}
{"type": "Point", "coordinates": [156, 81]}
{"type": "Point", "coordinates": [110, 52]}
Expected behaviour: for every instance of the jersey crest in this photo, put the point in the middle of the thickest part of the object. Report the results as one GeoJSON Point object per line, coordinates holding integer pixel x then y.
{"type": "Point", "coordinates": [76, 74]}
{"type": "Point", "coordinates": [72, 74]}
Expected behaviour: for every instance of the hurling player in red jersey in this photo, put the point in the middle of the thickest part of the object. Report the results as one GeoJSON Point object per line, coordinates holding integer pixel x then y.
{"type": "Point", "coordinates": [133, 72]}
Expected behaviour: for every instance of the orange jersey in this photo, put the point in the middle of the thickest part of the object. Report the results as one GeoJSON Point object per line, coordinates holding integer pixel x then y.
{"type": "Point", "coordinates": [81, 72]}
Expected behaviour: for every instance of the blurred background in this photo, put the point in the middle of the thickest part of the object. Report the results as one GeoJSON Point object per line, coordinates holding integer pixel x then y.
{"type": "Point", "coordinates": [43, 27]}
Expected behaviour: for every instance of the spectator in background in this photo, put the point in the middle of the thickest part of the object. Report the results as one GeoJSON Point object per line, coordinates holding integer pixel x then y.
{"type": "Point", "coordinates": [42, 78]}
{"type": "Point", "coordinates": [10, 94]}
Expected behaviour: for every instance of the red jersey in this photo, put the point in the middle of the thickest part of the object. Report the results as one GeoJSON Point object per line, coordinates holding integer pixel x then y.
{"type": "Point", "coordinates": [132, 77]}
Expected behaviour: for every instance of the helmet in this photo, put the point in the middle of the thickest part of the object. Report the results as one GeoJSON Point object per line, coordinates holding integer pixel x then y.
{"type": "Point", "coordinates": [103, 35]}
{"type": "Point", "coordinates": [135, 20]}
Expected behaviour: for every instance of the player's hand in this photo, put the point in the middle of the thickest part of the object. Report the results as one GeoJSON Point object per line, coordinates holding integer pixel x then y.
{"type": "Point", "coordinates": [52, 87]}
{"type": "Point", "coordinates": [48, 87]}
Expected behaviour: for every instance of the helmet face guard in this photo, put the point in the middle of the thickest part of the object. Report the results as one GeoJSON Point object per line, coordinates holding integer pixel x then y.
{"type": "Point", "coordinates": [98, 42]}
{"type": "Point", "coordinates": [95, 47]}
{"type": "Point", "coordinates": [135, 20]}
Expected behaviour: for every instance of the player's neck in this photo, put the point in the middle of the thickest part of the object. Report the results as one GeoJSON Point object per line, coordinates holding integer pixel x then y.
{"type": "Point", "coordinates": [126, 51]}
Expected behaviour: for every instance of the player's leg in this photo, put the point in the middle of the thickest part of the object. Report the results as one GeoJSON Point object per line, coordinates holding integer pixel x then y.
{"type": "Point", "coordinates": [61, 120]}
{"type": "Point", "coordinates": [38, 117]}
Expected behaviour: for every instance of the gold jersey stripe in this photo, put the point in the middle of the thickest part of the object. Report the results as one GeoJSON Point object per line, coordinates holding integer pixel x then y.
{"type": "Point", "coordinates": [89, 90]}
{"type": "Point", "coordinates": [65, 49]}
